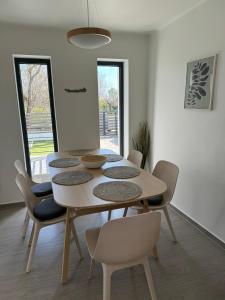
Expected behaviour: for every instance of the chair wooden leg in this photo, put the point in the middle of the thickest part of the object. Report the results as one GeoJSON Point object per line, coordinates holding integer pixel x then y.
{"type": "Point", "coordinates": [66, 250]}
{"type": "Point", "coordinates": [33, 246]}
{"type": "Point", "coordinates": [25, 225]}
{"type": "Point", "coordinates": [155, 252]}
{"type": "Point", "coordinates": [140, 211]}
{"type": "Point", "coordinates": [76, 239]}
{"type": "Point", "coordinates": [31, 235]}
{"type": "Point", "coordinates": [165, 209]}
{"type": "Point", "coordinates": [26, 216]}
{"type": "Point", "coordinates": [149, 278]}
{"type": "Point", "coordinates": [106, 282]}
{"type": "Point", "coordinates": [109, 215]}
{"type": "Point", "coordinates": [91, 269]}
{"type": "Point", "coordinates": [125, 211]}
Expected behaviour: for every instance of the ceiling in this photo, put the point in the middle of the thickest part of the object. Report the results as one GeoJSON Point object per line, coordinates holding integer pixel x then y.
{"type": "Point", "coordinates": [115, 15]}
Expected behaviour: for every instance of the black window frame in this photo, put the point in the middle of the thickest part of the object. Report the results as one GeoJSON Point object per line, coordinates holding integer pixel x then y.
{"type": "Point", "coordinates": [39, 61]}
{"type": "Point", "coordinates": [120, 65]}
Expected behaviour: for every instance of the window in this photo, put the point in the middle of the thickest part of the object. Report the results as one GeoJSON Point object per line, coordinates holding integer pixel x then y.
{"type": "Point", "coordinates": [111, 105]}
{"type": "Point", "coordinates": [37, 113]}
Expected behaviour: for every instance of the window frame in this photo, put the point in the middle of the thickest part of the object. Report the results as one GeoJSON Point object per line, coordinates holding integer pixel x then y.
{"type": "Point", "coordinates": [39, 61]}
{"type": "Point", "coordinates": [120, 65]}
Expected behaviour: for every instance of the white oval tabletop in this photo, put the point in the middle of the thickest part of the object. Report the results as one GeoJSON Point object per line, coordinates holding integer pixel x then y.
{"type": "Point", "coordinates": [81, 196]}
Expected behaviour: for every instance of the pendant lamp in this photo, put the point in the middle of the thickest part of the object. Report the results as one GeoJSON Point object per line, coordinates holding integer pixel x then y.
{"type": "Point", "coordinates": [89, 37]}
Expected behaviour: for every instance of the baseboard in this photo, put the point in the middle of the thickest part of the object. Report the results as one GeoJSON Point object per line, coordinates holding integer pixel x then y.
{"type": "Point", "coordinates": [198, 226]}
{"type": "Point", "coordinates": [12, 204]}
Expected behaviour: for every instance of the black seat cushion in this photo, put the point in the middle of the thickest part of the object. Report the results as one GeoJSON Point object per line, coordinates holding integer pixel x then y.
{"type": "Point", "coordinates": [48, 209]}
{"type": "Point", "coordinates": [154, 201]}
{"type": "Point", "coordinates": [42, 189]}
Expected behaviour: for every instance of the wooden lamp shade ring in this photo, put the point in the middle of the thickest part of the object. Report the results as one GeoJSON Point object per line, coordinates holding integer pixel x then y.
{"type": "Point", "coordinates": [88, 30]}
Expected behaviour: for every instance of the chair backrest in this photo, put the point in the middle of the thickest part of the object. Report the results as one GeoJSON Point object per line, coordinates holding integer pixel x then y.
{"type": "Point", "coordinates": [135, 157]}
{"type": "Point", "coordinates": [127, 239]}
{"type": "Point", "coordinates": [30, 199]}
{"type": "Point", "coordinates": [168, 173]}
{"type": "Point", "coordinates": [21, 170]}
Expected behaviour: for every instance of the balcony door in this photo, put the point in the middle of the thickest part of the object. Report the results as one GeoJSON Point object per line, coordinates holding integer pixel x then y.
{"type": "Point", "coordinates": [111, 105]}
{"type": "Point", "coordinates": [36, 105]}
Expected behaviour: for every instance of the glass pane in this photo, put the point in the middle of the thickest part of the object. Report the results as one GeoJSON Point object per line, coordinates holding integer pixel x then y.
{"type": "Point", "coordinates": [108, 95]}
{"type": "Point", "coordinates": [35, 89]}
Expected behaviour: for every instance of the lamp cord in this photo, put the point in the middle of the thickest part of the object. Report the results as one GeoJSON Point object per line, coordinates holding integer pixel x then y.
{"type": "Point", "coordinates": [88, 13]}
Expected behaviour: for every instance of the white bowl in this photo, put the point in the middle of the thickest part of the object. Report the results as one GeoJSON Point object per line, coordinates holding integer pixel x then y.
{"type": "Point", "coordinates": [93, 161]}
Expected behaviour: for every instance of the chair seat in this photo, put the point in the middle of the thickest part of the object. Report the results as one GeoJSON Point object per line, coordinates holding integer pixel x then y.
{"type": "Point", "coordinates": [48, 209]}
{"type": "Point", "coordinates": [91, 236]}
{"type": "Point", "coordinates": [42, 189]}
{"type": "Point", "coordinates": [154, 201]}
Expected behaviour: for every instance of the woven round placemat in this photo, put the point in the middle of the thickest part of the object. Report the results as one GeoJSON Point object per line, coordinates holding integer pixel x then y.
{"type": "Point", "coordinates": [121, 172]}
{"type": "Point", "coordinates": [113, 157]}
{"type": "Point", "coordinates": [117, 191]}
{"type": "Point", "coordinates": [72, 177]}
{"type": "Point", "coordinates": [64, 162]}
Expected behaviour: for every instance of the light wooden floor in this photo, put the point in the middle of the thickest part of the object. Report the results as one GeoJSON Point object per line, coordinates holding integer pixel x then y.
{"type": "Point", "coordinates": [193, 269]}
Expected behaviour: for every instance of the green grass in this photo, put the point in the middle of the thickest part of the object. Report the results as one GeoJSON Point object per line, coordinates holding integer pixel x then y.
{"type": "Point", "coordinates": [40, 148]}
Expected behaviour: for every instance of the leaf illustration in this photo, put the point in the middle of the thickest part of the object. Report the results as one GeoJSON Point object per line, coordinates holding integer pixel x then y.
{"type": "Point", "coordinates": [198, 95]}
{"type": "Point", "coordinates": [202, 91]}
{"type": "Point", "coordinates": [205, 70]}
{"type": "Point", "coordinates": [199, 77]}
{"type": "Point", "coordinates": [204, 78]}
{"type": "Point", "coordinates": [203, 66]}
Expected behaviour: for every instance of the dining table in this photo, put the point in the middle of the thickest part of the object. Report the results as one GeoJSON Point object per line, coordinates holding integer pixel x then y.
{"type": "Point", "coordinates": [80, 200]}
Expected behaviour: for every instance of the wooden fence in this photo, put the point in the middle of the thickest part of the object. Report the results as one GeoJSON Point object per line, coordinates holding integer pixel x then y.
{"type": "Point", "coordinates": [38, 122]}
{"type": "Point", "coordinates": [39, 125]}
{"type": "Point", "coordinates": [108, 124]}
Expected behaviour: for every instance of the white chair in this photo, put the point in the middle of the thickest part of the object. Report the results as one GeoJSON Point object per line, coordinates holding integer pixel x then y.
{"type": "Point", "coordinates": [40, 190]}
{"type": "Point", "coordinates": [43, 213]}
{"type": "Point", "coordinates": [167, 172]}
{"type": "Point", "coordinates": [135, 157]}
{"type": "Point", "coordinates": [123, 243]}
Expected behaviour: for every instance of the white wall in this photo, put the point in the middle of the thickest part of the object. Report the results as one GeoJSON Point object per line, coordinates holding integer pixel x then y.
{"type": "Point", "coordinates": [194, 140]}
{"type": "Point", "coordinates": [77, 114]}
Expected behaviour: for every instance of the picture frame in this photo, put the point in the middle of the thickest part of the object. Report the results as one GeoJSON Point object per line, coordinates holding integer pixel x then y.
{"type": "Point", "coordinates": [200, 79]}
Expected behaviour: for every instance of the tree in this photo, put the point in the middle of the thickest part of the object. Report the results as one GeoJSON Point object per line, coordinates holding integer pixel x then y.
{"type": "Point", "coordinates": [35, 87]}
{"type": "Point", "coordinates": [112, 99]}
{"type": "Point", "coordinates": [108, 95]}
{"type": "Point", "coordinates": [103, 105]}
{"type": "Point", "coordinates": [102, 86]}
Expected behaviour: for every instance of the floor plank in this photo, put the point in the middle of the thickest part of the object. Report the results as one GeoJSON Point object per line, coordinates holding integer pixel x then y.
{"type": "Point", "coordinates": [192, 269]}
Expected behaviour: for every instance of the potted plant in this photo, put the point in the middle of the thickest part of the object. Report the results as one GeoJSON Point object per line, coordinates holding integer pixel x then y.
{"type": "Point", "coordinates": [141, 141]}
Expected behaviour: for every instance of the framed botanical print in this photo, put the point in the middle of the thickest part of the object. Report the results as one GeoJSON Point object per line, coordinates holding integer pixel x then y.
{"type": "Point", "coordinates": [200, 83]}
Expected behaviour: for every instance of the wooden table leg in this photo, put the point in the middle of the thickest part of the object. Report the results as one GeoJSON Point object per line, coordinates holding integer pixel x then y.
{"type": "Point", "coordinates": [155, 249]}
{"type": "Point", "coordinates": [146, 208]}
{"type": "Point", "coordinates": [66, 250]}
